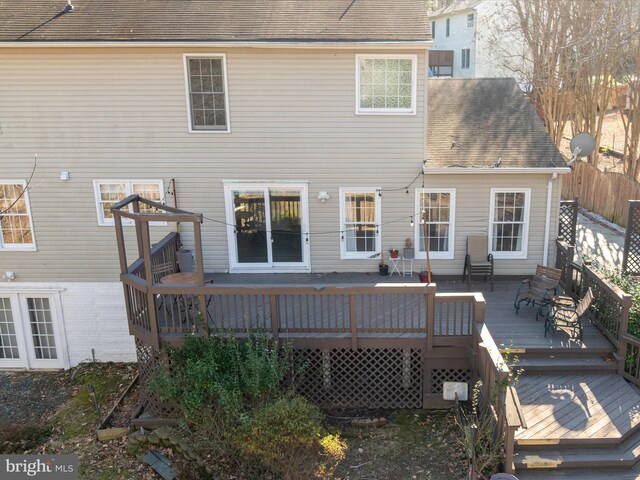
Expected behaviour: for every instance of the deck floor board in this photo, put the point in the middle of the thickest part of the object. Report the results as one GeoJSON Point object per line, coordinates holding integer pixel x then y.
{"type": "Point", "coordinates": [508, 329]}
{"type": "Point", "coordinates": [579, 406]}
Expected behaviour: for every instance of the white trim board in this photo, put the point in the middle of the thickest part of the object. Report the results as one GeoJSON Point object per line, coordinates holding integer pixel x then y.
{"type": "Point", "coordinates": [414, 85]}
{"type": "Point", "coordinates": [187, 87]}
{"type": "Point", "coordinates": [27, 247]}
{"type": "Point", "coordinates": [269, 266]}
{"type": "Point", "coordinates": [344, 255]}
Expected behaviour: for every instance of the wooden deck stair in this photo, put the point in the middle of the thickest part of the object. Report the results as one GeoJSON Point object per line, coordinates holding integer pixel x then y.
{"type": "Point", "coordinates": [577, 419]}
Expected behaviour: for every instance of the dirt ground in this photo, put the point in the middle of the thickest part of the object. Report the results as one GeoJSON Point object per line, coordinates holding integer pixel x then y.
{"type": "Point", "coordinates": [413, 445]}
{"type": "Point", "coordinates": [52, 412]}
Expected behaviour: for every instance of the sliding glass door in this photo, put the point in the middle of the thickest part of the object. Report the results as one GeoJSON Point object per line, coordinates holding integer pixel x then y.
{"type": "Point", "coordinates": [268, 226]}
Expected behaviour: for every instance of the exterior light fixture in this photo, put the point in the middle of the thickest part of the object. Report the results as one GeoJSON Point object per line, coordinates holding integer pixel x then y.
{"type": "Point", "coordinates": [323, 196]}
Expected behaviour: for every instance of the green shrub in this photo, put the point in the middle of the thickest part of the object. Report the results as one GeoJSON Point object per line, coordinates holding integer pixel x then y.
{"type": "Point", "coordinates": [630, 285]}
{"type": "Point", "coordinates": [222, 371]}
{"type": "Point", "coordinates": [238, 413]}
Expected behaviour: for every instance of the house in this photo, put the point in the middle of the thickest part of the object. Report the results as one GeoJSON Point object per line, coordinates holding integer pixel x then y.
{"type": "Point", "coordinates": [475, 39]}
{"type": "Point", "coordinates": [299, 129]}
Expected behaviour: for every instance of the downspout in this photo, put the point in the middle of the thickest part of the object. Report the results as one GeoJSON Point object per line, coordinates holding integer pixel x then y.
{"type": "Point", "coordinates": [547, 223]}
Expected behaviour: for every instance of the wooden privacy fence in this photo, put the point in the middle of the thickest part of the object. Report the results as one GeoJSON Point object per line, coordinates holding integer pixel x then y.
{"type": "Point", "coordinates": [605, 193]}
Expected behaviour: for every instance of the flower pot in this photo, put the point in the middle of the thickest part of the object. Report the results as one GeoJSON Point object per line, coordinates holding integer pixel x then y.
{"type": "Point", "coordinates": [424, 277]}
{"type": "Point", "coordinates": [409, 253]}
{"type": "Point", "coordinates": [384, 270]}
{"type": "Point", "coordinates": [394, 253]}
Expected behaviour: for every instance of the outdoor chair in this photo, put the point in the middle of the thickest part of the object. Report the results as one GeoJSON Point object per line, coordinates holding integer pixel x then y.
{"type": "Point", "coordinates": [565, 313]}
{"type": "Point", "coordinates": [477, 261]}
{"type": "Point", "coordinates": [538, 290]}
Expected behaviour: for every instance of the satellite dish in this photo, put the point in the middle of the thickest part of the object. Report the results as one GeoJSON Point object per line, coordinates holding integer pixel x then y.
{"type": "Point", "coordinates": [581, 145]}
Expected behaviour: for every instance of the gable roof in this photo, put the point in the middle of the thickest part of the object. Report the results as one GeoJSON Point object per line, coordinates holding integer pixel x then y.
{"type": "Point", "coordinates": [215, 20]}
{"type": "Point", "coordinates": [478, 122]}
{"type": "Point", "coordinates": [455, 7]}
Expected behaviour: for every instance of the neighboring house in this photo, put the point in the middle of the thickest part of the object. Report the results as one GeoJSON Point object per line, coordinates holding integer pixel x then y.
{"type": "Point", "coordinates": [297, 128]}
{"type": "Point", "coordinates": [475, 39]}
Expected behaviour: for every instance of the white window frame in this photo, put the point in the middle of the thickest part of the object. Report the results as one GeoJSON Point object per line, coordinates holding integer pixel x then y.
{"type": "Point", "coordinates": [388, 111]}
{"type": "Point", "coordinates": [109, 222]}
{"type": "Point", "coordinates": [522, 254]}
{"type": "Point", "coordinates": [20, 247]}
{"type": "Point", "coordinates": [471, 17]}
{"type": "Point", "coordinates": [449, 254]}
{"type": "Point", "coordinates": [344, 254]}
{"type": "Point", "coordinates": [236, 267]}
{"type": "Point", "coordinates": [185, 61]}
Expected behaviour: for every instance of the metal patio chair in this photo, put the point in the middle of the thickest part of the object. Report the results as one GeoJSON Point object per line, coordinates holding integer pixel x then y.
{"type": "Point", "coordinates": [565, 313]}
{"type": "Point", "coordinates": [477, 261]}
{"type": "Point", "coordinates": [538, 290]}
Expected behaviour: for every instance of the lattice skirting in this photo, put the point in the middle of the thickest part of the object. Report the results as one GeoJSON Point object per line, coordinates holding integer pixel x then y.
{"type": "Point", "coordinates": [148, 359]}
{"type": "Point", "coordinates": [371, 378]}
{"type": "Point", "coordinates": [337, 377]}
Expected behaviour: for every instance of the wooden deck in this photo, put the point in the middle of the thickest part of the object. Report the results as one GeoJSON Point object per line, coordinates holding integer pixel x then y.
{"type": "Point", "coordinates": [518, 332]}
{"type": "Point", "coordinates": [574, 407]}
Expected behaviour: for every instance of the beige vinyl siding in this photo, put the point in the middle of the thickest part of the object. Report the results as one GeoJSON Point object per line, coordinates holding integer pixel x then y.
{"type": "Point", "coordinates": [473, 194]}
{"type": "Point", "coordinates": [121, 114]}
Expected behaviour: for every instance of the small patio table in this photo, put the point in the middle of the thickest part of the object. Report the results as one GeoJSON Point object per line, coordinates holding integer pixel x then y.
{"type": "Point", "coordinates": [189, 278]}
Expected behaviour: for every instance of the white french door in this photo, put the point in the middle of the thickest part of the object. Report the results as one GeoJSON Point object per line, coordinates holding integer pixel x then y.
{"type": "Point", "coordinates": [30, 335]}
{"type": "Point", "coordinates": [267, 227]}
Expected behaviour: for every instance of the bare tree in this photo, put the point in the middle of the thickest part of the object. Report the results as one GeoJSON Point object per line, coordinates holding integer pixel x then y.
{"type": "Point", "coordinates": [629, 74]}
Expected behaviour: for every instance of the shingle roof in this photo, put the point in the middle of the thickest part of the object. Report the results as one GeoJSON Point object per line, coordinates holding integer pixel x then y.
{"type": "Point", "coordinates": [480, 122]}
{"type": "Point", "coordinates": [214, 20]}
{"type": "Point", "coordinates": [455, 7]}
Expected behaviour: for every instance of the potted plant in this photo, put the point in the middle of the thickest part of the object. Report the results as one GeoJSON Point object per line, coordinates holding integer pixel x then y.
{"type": "Point", "coordinates": [408, 252]}
{"type": "Point", "coordinates": [383, 267]}
{"type": "Point", "coordinates": [393, 253]}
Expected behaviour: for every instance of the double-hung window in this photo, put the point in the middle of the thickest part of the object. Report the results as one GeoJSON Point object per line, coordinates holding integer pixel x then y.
{"type": "Point", "coordinates": [433, 29]}
{"type": "Point", "coordinates": [207, 97]}
{"type": "Point", "coordinates": [448, 27]}
{"type": "Point", "coordinates": [509, 222]}
{"type": "Point", "coordinates": [16, 226]}
{"type": "Point", "coordinates": [360, 222]}
{"type": "Point", "coordinates": [108, 192]}
{"type": "Point", "coordinates": [466, 58]}
{"type": "Point", "coordinates": [438, 207]}
{"type": "Point", "coordinates": [470, 19]}
{"type": "Point", "coordinates": [386, 84]}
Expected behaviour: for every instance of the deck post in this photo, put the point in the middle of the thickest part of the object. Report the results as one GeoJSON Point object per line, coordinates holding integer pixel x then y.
{"type": "Point", "coordinates": [135, 205]}
{"type": "Point", "coordinates": [274, 310]}
{"type": "Point", "coordinates": [352, 322]}
{"type": "Point", "coordinates": [151, 297]}
{"type": "Point", "coordinates": [509, 444]}
{"type": "Point", "coordinates": [431, 313]}
{"type": "Point", "coordinates": [622, 331]}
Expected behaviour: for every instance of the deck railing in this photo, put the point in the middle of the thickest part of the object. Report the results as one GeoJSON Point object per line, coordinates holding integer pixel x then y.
{"type": "Point", "coordinates": [609, 310]}
{"type": "Point", "coordinates": [407, 317]}
{"type": "Point", "coordinates": [497, 392]}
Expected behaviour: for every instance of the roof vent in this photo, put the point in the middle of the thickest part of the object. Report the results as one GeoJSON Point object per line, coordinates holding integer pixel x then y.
{"type": "Point", "coordinates": [70, 7]}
